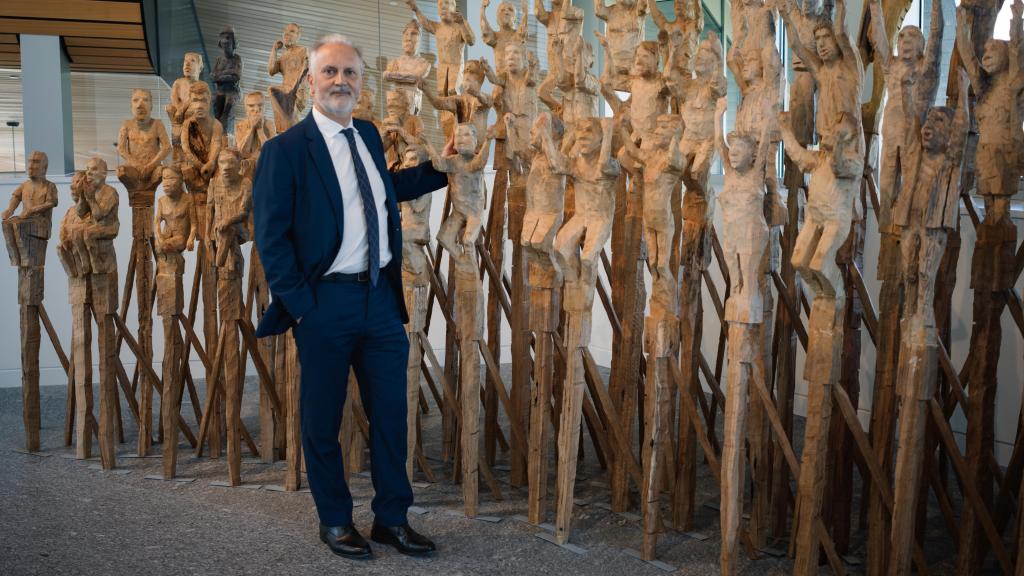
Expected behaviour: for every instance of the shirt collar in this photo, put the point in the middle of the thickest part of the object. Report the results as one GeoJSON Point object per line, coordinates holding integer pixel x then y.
{"type": "Point", "coordinates": [329, 128]}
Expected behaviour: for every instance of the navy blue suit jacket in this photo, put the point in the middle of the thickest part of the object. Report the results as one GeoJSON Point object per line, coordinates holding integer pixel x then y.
{"type": "Point", "coordinates": [297, 210]}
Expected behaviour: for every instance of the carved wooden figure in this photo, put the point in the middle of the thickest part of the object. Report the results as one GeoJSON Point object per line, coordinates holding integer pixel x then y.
{"type": "Point", "coordinates": [624, 28]}
{"type": "Point", "coordinates": [545, 201]}
{"type": "Point", "coordinates": [406, 71]}
{"type": "Point", "coordinates": [517, 94]}
{"type": "Point", "coordinates": [399, 124]}
{"type": "Point", "coordinates": [508, 32]}
{"type": "Point", "coordinates": [458, 235]}
{"type": "Point", "coordinates": [26, 235]}
{"type": "Point", "coordinates": [745, 242]}
{"type": "Point", "coordinates": [578, 247]}
{"type": "Point", "coordinates": [453, 34]}
{"type": "Point", "coordinates": [143, 145]}
{"type": "Point", "coordinates": [911, 80]}
{"type": "Point", "coordinates": [75, 259]}
{"type": "Point", "coordinates": [926, 210]}
{"type": "Point", "coordinates": [648, 90]}
{"type": "Point", "coordinates": [660, 164]}
{"type": "Point", "coordinates": [997, 81]}
{"type": "Point", "coordinates": [835, 172]}
{"type": "Point", "coordinates": [683, 33]}
{"type": "Point", "coordinates": [696, 93]}
{"type": "Point", "coordinates": [230, 205]}
{"type": "Point", "coordinates": [172, 227]}
{"type": "Point", "coordinates": [469, 104]}
{"type": "Point", "coordinates": [834, 64]}
{"type": "Point", "coordinates": [579, 88]}
{"type": "Point", "coordinates": [227, 70]}
{"type": "Point", "coordinates": [552, 21]}
{"type": "Point", "coordinates": [101, 202]}
{"type": "Point", "coordinates": [191, 68]}
{"type": "Point", "coordinates": [202, 141]}
{"type": "Point", "coordinates": [254, 130]}
{"type": "Point", "coordinates": [288, 99]}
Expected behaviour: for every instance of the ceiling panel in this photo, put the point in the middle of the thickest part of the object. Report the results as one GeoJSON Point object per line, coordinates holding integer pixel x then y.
{"type": "Point", "coordinates": [91, 10]}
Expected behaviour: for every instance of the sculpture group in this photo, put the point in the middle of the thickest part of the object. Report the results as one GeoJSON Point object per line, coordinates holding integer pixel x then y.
{"type": "Point", "coordinates": [569, 184]}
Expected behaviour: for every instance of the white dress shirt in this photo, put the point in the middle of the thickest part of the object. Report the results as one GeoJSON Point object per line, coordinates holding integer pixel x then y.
{"type": "Point", "coordinates": [352, 257]}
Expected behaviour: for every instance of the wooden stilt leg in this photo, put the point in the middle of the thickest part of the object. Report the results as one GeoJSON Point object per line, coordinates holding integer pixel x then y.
{"type": "Point", "coordinates": [742, 350]}
{"type": "Point", "coordinates": [104, 298]}
{"type": "Point", "coordinates": [569, 426]}
{"type": "Point", "coordinates": [293, 429]}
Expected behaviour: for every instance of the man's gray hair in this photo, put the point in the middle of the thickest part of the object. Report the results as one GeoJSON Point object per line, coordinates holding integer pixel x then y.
{"type": "Point", "coordinates": [333, 39]}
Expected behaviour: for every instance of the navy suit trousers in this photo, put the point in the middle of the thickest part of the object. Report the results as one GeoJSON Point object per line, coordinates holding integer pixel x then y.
{"type": "Point", "coordinates": [357, 325]}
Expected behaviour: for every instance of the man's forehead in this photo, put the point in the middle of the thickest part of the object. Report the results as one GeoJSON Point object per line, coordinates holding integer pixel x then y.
{"type": "Point", "coordinates": [337, 55]}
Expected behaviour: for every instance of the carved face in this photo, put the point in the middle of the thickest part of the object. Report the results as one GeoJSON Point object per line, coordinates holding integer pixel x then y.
{"type": "Point", "coordinates": [465, 139]}
{"type": "Point", "coordinates": [290, 35]}
{"type": "Point", "coordinates": [645, 63]}
{"type": "Point", "coordinates": [935, 131]}
{"type": "Point", "coordinates": [36, 167]}
{"type": "Point", "coordinates": [994, 60]}
{"type": "Point", "coordinates": [171, 182]}
{"type": "Point", "coordinates": [825, 44]}
{"type": "Point", "coordinates": [199, 108]}
{"type": "Point", "coordinates": [410, 39]}
{"type": "Point", "coordinates": [588, 136]}
{"type": "Point", "coordinates": [228, 165]}
{"type": "Point", "coordinates": [705, 63]}
{"type": "Point", "coordinates": [662, 136]}
{"type": "Point", "coordinates": [472, 78]}
{"type": "Point", "coordinates": [515, 58]}
{"type": "Point", "coordinates": [253, 107]}
{"type": "Point", "coordinates": [96, 170]}
{"type": "Point", "coordinates": [192, 66]}
{"type": "Point", "coordinates": [364, 107]}
{"type": "Point", "coordinates": [78, 181]}
{"type": "Point", "coordinates": [336, 79]}
{"type": "Point", "coordinates": [446, 9]}
{"type": "Point", "coordinates": [741, 153]}
{"type": "Point", "coordinates": [909, 43]}
{"type": "Point", "coordinates": [753, 71]}
{"type": "Point", "coordinates": [506, 16]}
{"type": "Point", "coordinates": [227, 43]}
{"type": "Point", "coordinates": [142, 104]}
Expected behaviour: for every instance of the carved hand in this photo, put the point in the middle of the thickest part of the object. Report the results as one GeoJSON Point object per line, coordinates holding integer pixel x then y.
{"type": "Point", "coordinates": [278, 44]}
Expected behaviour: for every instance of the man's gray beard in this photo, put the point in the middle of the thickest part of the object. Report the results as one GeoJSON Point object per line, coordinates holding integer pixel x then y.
{"type": "Point", "coordinates": [339, 110]}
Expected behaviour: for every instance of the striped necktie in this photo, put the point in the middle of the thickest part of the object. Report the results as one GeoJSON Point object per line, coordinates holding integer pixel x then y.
{"type": "Point", "coordinates": [369, 208]}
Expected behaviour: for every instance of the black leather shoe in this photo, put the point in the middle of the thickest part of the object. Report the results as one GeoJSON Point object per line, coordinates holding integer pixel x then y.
{"type": "Point", "coordinates": [346, 541]}
{"type": "Point", "coordinates": [404, 539]}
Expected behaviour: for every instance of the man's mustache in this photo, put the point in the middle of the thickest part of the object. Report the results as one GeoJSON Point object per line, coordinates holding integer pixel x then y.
{"type": "Point", "coordinates": [344, 90]}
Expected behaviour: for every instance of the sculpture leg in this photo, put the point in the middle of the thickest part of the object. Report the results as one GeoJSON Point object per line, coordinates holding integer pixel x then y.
{"type": "Point", "coordinates": [104, 302]}
{"type": "Point", "coordinates": [229, 288]}
{"type": "Point", "coordinates": [469, 317]}
{"type": "Point", "coordinates": [290, 359]}
{"type": "Point", "coordinates": [170, 403]}
{"type": "Point", "coordinates": [30, 338]}
{"type": "Point", "coordinates": [569, 425]}
{"type": "Point", "coordinates": [743, 348]}
{"type": "Point", "coordinates": [142, 232]}
{"type": "Point", "coordinates": [660, 331]}
{"type": "Point", "coordinates": [81, 357]}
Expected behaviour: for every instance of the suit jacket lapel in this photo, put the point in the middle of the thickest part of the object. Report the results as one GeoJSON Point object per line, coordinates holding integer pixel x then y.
{"type": "Point", "coordinates": [322, 159]}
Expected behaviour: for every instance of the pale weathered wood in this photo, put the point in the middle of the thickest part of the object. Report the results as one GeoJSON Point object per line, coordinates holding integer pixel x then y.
{"type": "Point", "coordinates": [288, 99]}
{"type": "Point", "coordinates": [26, 235]}
{"type": "Point", "coordinates": [230, 205]}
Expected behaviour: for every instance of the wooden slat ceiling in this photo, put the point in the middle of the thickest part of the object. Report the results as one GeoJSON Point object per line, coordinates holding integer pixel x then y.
{"type": "Point", "coordinates": [98, 35]}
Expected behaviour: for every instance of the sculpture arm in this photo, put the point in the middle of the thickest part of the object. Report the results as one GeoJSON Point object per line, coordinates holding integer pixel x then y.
{"type": "Point", "coordinates": [600, 10]}
{"type": "Point", "coordinates": [965, 47]}
{"type": "Point", "coordinates": [468, 36]}
{"type": "Point", "coordinates": [480, 160]}
{"type": "Point", "coordinates": [559, 162]}
{"type": "Point", "coordinates": [524, 22]}
{"type": "Point", "coordinates": [879, 38]}
{"type": "Point", "coordinates": [676, 158]}
{"type": "Point", "coordinates": [165, 144]}
{"type": "Point", "coordinates": [659, 19]}
{"type": "Point", "coordinates": [486, 32]}
{"type": "Point", "coordinates": [810, 60]}
{"type": "Point", "coordinates": [543, 15]}
{"type": "Point", "coordinates": [1013, 51]}
{"type": "Point", "coordinates": [803, 158]}
{"type": "Point", "coordinates": [273, 66]}
{"type": "Point", "coordinates": [609, 166]}
{"type": "Point", "coordinates": [933, 49]}
{"type": "Point", "coordinates": [186, 146]}
{"type": "Point", "coordinates": [846, 47]}
{"type": "Point", "coordinates": [439, 102]}
{"type": "Point", "coordinates": [15, 202]}
{"type": "Point", "coordinates": [158, 235]}
{"type": "Point", "coordinates": [961, 121]}
{"type": "Point", "coordinates": [720, 143]}
{"type": "Point", "coordinates": [427, 24]}
{"type": "Point", "coordinates": [122, 141]}
{"type": "Point", "coordinates": [736, 69]}
{"type": "Point", "coordinates": [764, 142]}
{"type": "Point", "coordinates": [47, 204]}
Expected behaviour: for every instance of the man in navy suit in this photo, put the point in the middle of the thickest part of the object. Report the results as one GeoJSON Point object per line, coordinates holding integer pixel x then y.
{"type": "Point", "coordinates": [329, 235]}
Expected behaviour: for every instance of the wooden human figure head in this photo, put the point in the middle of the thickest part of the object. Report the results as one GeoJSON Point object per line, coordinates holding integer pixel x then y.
{"type": "Point", "coordinates": [742, 148]}
{"type": "Point", "coordinates": [254, 106]}
{"type": "Point", "coordinates": [36, 166]}
{"type": "Point", "coordinates": [515, 58]}
{"type": "Point", "coordinates": [825, 41]}
{"type": "Point", "coordinates": [229, 165]}
{"type": "Point", "coordinates": [646, 61]}
{"type": "Point", "coordinates": [199, 101]}
{"type": "Point", "coordinates": [226, 41]}
{"type": "Point", "coordinates": [290, 35]}
{"type": "Point", "coordinates": [142, 104]}
{"type": "Point", "coordinates": [507, 13]}
{"type": "Point", "coordinates": [473, 76]}
{"type": "Point", "coordinates": [96, 172]}
{"type": "Point", "coordinates": [413, 156]}
{"type": "Point", "coordinates": [994, 60]}
{"type": "Point", "coordinates": [935, 132]}
{"type": "Point", "coordinates": [658, 141]}
{"type": "Point", "coordinates": [572, 19]}
{"type": "Point", "coordinates": [545, 121]}
{"type": "Point", "coordinates": [466, 139]}
{"type": "Point", "coordinates": [411, 38]}
{"type": "Point", "coordinates": [707, 63]}
{"type": "Point", "coordinates": [364, 105]}
{"type": "Point", "coordinates": [589, 133]}
{"type": "Point", "coordinates": [170, 178]}
{"type": "Point", "coordinates": [909, 43]}
{"type": "Point", "coordinates": [447, 10]}
{"type": "Point", "coordinates": [192, 65]}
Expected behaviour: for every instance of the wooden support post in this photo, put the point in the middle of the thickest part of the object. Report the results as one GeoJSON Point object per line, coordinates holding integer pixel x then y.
{"type": "Point", "coordinates": [81, 358]}
{"type": "Point", "coordinates": [469, 312]}
{"type": "Point", "coordinates": [629, 298]}
{"type": "Point", "coordinates": [577, 328]}
{"type": "Point", "coordinates": [496, 249]}
{"type": "Point", "coordinates": [104, 303]}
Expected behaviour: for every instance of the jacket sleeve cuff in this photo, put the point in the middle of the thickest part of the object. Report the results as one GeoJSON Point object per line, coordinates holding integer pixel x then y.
{"type": "Point", "coordinates": [299, 303]}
